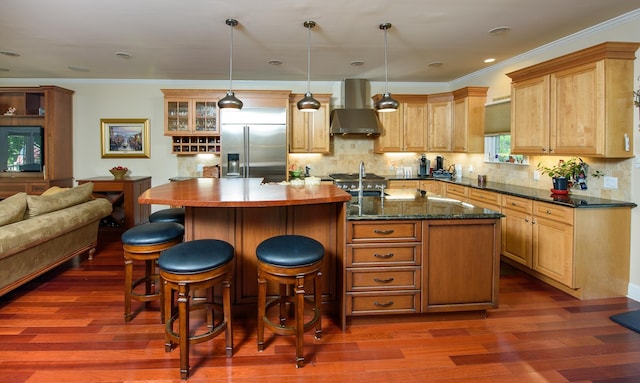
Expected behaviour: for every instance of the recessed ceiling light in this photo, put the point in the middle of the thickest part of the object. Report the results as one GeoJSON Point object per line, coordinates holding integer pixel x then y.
{"type": "Point", "coordinates": [78, 68]}
{"type": "Point", "coordinates": [435, 64]}
{"type": "Point", "coordinates": [275, 62]}
{"type": "Point", "coordinates": [356, 63]}
{"type": "Point", "coordinates": [10, 53]}
{"type": "Point", "coordinates": [489, 60]}
{"type": "Point", "coordinates": [498, 31]}
{"type": "Point", "coordinates": [123, 55]}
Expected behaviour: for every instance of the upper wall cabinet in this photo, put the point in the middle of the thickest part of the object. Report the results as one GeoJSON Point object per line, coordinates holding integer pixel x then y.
{"type": "Point", "coordinates": [406, 129]}
{"type": "Point", "coordinates": [309, 131]}
{"type": "Point", "coordinates": [577, 104]}
{"type": "Point", "coordinates": [468, 119]}
{"type": "Point", "coordinates": [440, 122]}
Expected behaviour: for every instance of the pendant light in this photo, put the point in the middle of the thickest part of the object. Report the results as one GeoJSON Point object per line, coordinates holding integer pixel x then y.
{"type": "Point", "coordinates": [230, 101]}
{"type": "Point", "coordinates": [308, 103]}
{"type": "Point", "coordinates": [386, 103]}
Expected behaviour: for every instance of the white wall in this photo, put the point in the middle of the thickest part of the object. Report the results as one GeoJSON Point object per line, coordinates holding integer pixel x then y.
{"type": "Point", "coordinates": [96, 99]}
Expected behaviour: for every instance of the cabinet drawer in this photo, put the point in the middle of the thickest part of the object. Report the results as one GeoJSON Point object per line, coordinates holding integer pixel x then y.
{"type": "Point", "coordinates": [389, 231]}
{"type": "Point", "coordinates": [395, 184]}
{"type": "Point", "coordinates": [110, 186]}
{"type": "Point", "coordinates": [485, 196]}
{"type": "Point", "coordinates": [383, 303]}
{"type": "Point", "coordinates": [377, 278]}
{"type": "Point", "coordinates": [522, 205]}
{"type": "Point", "coordinates": [457, 189]}
{"type": "Point", "coordinates": [382, 254]}
{"type": "Point", "coordinates": [553, 212]}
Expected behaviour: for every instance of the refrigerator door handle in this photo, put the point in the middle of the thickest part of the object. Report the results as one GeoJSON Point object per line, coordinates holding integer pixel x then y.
{"type": "Point", "coordinates": [247, 158]}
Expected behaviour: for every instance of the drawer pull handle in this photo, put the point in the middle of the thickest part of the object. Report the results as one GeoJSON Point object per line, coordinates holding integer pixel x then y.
{"type": "Point", "coordinates": [383, 256]}
{"type": "Point", "coordinates": [388, 280]}
{"type": "Point", "coordinates": [387, 304]}
{"type": "Point", "coordinates": [383, 232]}
{"type": "Point", "coordinates": [548, 211]}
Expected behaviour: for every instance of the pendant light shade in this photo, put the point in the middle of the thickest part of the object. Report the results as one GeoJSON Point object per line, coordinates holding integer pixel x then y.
{"type": "Point", "coordinates": [386, 103]}
{"type": "Point", "coordinates": [230, 101]}
{"type": "Point", "coordinates": [308, 103]}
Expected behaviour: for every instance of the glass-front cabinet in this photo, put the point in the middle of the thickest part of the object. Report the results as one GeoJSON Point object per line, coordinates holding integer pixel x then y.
{"type": "Point", "coordinates": [191, 118]}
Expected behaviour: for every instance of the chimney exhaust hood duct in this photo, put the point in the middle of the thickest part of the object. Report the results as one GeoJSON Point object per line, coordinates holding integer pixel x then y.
{"type": "Point", "coordinates": [358, 116]}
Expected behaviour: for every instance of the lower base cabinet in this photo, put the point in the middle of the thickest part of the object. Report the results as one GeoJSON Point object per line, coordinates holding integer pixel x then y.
{"type": "Point", "coordinates": [420, 266]}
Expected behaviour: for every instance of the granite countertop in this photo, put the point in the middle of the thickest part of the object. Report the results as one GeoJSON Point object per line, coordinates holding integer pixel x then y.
{"type": "Point", "coordinates": [571, 200]}
{"type": "Point", "coordinates": [406, 205]}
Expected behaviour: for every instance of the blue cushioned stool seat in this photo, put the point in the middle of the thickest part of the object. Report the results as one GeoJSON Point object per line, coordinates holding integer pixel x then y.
{"type": "Point", "coordinates": [290, 251]}
{"type": "Point", "coordinates": [292, 261]}
{"type": "Point", "coordinates": [200, 264]}
{"type": "Point", "coordinates": [144, 243]}
{"type": "Point", "coordinates": [195, 256]}
{"type": "Point", "coordinates": [174, 214]}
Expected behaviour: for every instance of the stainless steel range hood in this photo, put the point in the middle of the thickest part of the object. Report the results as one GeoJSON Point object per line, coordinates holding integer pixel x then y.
{"type": "Point", "coordinates": [357, 117]}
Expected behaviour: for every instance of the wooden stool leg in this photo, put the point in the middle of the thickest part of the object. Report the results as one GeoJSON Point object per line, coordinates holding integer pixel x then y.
{"type": "Point", "coordinates": [183, 315]}
{"type": "Point", "coordinates": [128, 280]}
{"type": "Point", "coordinates": [283, 304]}
{"type": "Point", "coordinates": [148, 272]}
{"type": "Point", "coordinates": [226, 306]}
{"type": "Point", "coordinates": [262, 302]}
{"type": "Point", "coordinates": [317, 297]}
{"type": "Point", "coordinates": [167, 303]}
{"type": "Point", "coordinates": [299, 307]}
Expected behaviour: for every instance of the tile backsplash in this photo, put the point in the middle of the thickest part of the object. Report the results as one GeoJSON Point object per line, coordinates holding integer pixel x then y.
{"type": "Point", "coordinates": [348, 151]}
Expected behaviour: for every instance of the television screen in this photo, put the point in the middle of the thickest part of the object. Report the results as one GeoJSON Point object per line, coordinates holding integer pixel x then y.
{"type": "Point", "coordinates": [21, 149]}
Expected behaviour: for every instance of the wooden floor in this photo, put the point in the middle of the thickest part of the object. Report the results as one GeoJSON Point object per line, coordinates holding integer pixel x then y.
{"type": "Point", "coordinates": [68, 327]}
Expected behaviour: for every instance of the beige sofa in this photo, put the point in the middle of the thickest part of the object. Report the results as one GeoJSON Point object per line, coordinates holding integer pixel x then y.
{"type": "Point", "coordinates": [38, 233]}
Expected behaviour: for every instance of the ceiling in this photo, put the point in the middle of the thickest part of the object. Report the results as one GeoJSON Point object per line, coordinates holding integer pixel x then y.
{"type": "Point", "coordinates": [189, 40]}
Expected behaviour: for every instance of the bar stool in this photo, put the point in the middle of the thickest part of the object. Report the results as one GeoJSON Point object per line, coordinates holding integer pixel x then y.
{"type": "Point", "coordinates": [290, 260]}
{"type": "Point", "coordinates": [189, 266]}
{"type": "Point", "coordinates": [144, 243]}
{"type": "Point", "coordinates": [174, 214]}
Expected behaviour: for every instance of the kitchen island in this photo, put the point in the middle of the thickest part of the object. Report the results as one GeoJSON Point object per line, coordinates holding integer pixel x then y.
{"type": "Point", "coordinates": [412, 253]}
{"type": "Point", "coordinates": [382, 255]}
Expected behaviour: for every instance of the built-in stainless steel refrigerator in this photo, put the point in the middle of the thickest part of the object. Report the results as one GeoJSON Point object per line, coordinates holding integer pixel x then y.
{"type": "Point", "coordinates": [254, 143]}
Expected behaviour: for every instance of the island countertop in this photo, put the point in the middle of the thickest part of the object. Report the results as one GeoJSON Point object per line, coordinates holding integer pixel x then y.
{"type": "Point", "coordinates": [409, 204]}
{"type": "Point", "coordinates": [240, 192]}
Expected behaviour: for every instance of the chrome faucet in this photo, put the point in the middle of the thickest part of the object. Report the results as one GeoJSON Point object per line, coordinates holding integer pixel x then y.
{"type": "Point", "coordinates": [360, 177]}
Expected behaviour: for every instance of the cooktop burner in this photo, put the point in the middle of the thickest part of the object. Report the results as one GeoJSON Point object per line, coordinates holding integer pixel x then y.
{"type": "Point", "coordinates": [354, 176]}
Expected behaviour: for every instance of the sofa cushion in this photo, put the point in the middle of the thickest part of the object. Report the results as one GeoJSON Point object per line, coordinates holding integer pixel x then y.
{"type": "Point", "coordinates": [54, 190]}
{"type": "Point", "coordinates": [12, 208]}
{"type": "Point", "coordinates": [39, 204]}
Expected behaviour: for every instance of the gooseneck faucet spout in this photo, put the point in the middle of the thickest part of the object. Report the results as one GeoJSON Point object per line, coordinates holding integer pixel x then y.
{"type": "Point", "coordinates": [360, 177]}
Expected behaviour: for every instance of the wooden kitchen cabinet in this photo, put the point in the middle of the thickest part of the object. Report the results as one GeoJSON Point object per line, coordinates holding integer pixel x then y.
{"type": "Point", "coordinates": [553, 253]}
{"type": "Point", "coordinates": [456, 191]}
{"type": "Point", "coordinates": [123, 195]}
{"type": "Point", "coordinates": [192, 120]}
{"type": "Point", "coordinates": [406, 129]}
{"type": "Point", "coordinates": [517, 235]}
{"type": "Point", "coordinates": [403, 184]}
{"type": "Point", "coordinates": [382, 270]}
{"type": "Point", "coordinates": [432, 186]}
{"type": "Point", "coordinates": [485, 198]}
{"type": "Point", "coordinates": [577, 104]}
{"type": "Point", "coordinates": [309, 131]}
{"type": "Point", "coordinates": [440, 122]}
{"type": "Point", "coordinates": [468, 119]}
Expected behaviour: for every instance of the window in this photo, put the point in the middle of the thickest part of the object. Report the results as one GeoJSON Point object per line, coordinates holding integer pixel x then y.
{"type": "Point", "coordinates": [497, 148]}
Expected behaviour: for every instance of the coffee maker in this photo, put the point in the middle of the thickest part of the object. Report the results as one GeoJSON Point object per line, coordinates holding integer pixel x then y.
{"type": "Point", "coordinates": [423, 167]}
{"type": "Point", "coordinates": [439, 163]}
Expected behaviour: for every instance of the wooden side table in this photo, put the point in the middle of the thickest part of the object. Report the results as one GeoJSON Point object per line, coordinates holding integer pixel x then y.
{"type": "Point", "coordinates": [123, 195]}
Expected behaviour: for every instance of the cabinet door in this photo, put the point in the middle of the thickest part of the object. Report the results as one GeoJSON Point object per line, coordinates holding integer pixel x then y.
{"type": "Point", "coordinates": [319, 130]}
{"type": "Point", "coordinates": [440, 125]}
{"type": "Point", "coordinates": [309, 130]}
{"type": "Point", "coordinates": [415, 127]}
{"type": "Point", "coordinates": [460, 121]}
{"type": "Point", "coordinates": [577, 110]}
{"type": "Point", "coordinates": [205, 119]}
{"type": "Point", "coordinates": [517, 236]}
{"type": "Point", "coordinates": [432, 186]}
{"type": "Point", "coordinates": [553, 250]}
{"type": "Point", "coordinates": [299, 138]}
{"type": "Point", "coordinates": [530, 116]}
{"type": "Point", "coordinates": [177, 115]}
{"type": "Point", "coordinates": [391, 139]}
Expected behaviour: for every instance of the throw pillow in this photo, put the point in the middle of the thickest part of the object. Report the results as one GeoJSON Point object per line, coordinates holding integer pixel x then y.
{"type": "Point", "coordinates": [12, 208]}
{"type": "Point", "coordinates": [39, 204]}
{"type": "Point", "coordinates": [54, 190]}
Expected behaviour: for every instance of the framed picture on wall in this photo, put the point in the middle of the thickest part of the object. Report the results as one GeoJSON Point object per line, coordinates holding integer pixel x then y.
{"type": "Point", "coordinates": [125, 138]}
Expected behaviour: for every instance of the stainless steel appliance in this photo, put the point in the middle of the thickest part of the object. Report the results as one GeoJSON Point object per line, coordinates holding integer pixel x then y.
{"type": "Point", "coordinates": [254, 143]}
{"type": "Point", "coordinates": [371, 184]}
{"type": "Point", "coordinates": [423, 167]}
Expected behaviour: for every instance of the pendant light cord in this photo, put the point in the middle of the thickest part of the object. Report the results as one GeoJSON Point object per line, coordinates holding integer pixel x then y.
{"type": "Point", "coordinates": [309, 26]}
{"type": "Point", "coordinates": [231, 58]}
{"type": "Point", "coordinates": [386, 71]}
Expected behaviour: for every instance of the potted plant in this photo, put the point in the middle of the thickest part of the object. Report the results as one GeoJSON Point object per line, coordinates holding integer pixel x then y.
{"type": "Point", "coordinates": [568, 173]}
